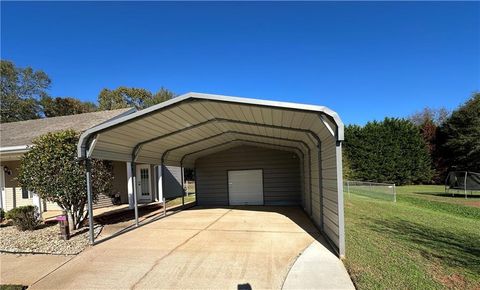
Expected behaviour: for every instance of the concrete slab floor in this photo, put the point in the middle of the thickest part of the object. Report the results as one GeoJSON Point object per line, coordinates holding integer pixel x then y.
{"type": "Point", "coordinates": [214, 248]}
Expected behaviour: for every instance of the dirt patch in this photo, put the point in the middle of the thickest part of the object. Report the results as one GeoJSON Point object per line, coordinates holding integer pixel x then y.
{"type": "Point", "coordinates": [472, 203]}
{"type": "Point", "coordinates": [452, 281]}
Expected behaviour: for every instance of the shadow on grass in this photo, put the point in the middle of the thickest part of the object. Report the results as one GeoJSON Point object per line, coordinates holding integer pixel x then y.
{"type": "Point", "coordinates": [128, 214]}
{"type": "Point", "coordinates": [452, 249]}
{"type": "Point", "coordinates": [452, 195]}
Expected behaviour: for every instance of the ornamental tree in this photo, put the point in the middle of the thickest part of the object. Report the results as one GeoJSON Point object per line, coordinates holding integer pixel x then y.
{"type": "Point", "coordinates": [51, 169]}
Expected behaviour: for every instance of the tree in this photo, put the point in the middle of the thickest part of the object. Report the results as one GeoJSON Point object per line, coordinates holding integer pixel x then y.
{"type": "Point", "coordinates": [21, 91]}
{"type": "Point", "coordinates": [389, 151]}
{"type": "Point", "coordinates": [435, 116]}
{"type": "Point", "coordinates": [51, 170]}
{"type": "Point", "coordinates": [54, 107]}
{"type": "Point", "coordinates": [459, 136]}
{"type": "Point", "coordinates": [123, 97]}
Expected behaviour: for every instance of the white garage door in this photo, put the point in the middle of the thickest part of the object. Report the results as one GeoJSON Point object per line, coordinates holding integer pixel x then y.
{"type": "Point", "coordinates": [245, 187]}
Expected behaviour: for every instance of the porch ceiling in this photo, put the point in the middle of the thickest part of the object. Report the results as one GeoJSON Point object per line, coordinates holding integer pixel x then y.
{"type": "Point", "coordinates": [182, 129]}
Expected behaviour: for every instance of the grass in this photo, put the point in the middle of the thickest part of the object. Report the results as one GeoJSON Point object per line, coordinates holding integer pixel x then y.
{"type": "Point", "coordinates": [423, 241]}
{"type": "Point", "coordinates": [178, 200]}
{"type": "Point", "coordinates": [12, 287]}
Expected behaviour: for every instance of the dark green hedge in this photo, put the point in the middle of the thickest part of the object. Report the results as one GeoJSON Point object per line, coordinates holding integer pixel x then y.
{"type": "Point", "coordinates": [389, 151]}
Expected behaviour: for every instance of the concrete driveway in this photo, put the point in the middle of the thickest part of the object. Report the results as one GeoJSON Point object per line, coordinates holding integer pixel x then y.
{"type": "Point", "coordinates": [222, 248]}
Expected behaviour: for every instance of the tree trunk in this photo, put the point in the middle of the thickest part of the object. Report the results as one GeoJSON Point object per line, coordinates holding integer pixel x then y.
{"type": "Point", "coordinates": [71, 221]}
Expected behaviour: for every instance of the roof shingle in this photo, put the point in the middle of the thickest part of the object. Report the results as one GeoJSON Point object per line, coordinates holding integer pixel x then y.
{"type": "Point", "coordinates": [23, 132]}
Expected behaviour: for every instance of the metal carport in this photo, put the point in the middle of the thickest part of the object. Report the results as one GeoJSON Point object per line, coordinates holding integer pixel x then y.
{"type": "Point", "coordinates": [179, 131]}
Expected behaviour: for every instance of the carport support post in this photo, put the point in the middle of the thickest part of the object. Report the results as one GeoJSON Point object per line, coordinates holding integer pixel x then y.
{"type": "Point", "coordinates": [134, 187]}
{"type": "Point", "coordinates": [183, 184]}
{"type": "Point", "coordinates": [195, 184]}
{"type": "Point", "coordinates": [90, 199]}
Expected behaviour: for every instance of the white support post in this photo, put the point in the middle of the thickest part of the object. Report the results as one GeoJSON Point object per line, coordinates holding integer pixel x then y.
{"type": "Point", "coordinates": [131, 203]}
{"type": "Point", "coordinates": [38, 203]}
{"type": "Point", "coordinates": [3, 201]}
{"type": "Point", "coordinates": [183, 185]}
{"type": "Point", "coordinates": [465, 184]}
{"type": "Point", "coordinates": [134, 186]}
{"type": "Point", "coordinates": [394, 193]}
{"type": "Point", "coordinates": [159, 182]}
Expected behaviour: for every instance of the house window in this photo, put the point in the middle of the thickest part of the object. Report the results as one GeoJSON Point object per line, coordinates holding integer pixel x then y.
{"type": "Point", "coordinates": [25, 193]}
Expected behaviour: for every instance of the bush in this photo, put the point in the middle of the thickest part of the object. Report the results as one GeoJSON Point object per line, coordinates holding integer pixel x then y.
{"type": "Point", "coordinates": [389, 151]}
{"type": "Point", "coordinates": [51, 169]}
{"type": "Point", "coordinates": [2, 214]}
{"type": "Point", "coordinates": [24, 217]}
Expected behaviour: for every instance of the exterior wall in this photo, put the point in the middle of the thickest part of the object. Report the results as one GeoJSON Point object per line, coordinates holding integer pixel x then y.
{"type": "Point", "coordinates": [327, 188]}
{"type": "Point", "coordinates": [172, 186]}
{"type": "Point", "coordinates": [13, 193]}
{"type": "Point", "coordinates": [120, 180]}
{"type": "Point", "coordinates": [281, 174]}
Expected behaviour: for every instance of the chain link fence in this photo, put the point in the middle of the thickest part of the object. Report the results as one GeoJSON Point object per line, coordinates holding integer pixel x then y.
{"type": "Point", "coordinates": [376, 190]}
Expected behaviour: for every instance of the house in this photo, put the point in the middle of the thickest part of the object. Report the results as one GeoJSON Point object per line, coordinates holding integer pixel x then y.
{"type": "Point", "coordinates": [16, 137]}
{"type": "Point", "coordinates": [244, 152]}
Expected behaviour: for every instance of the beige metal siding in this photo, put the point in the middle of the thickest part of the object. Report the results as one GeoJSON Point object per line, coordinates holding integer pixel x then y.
{"type": "Point", "coordinates": [330, 190]}
{"type": "Point", "coordinates": [172, 182]}
{"type": "Point", "coordinates": [120, 180]}
{"type": "Point", "coordinates": [281, 174]}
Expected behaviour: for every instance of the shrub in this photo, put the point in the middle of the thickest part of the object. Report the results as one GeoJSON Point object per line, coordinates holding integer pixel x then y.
{"type": "Point", "coordinates": [389, 151]}
{"type": "Point", "coordinates": [2, 214]}
{"type": "Point", "coordinates": [24, 217]}
{"type": "Point", "coordinates": [51, 170]}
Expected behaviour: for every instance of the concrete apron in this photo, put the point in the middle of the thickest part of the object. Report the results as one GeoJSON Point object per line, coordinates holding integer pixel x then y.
{"type": "Point", "coordinates": [214, 248]}
{"type": "Point", "coordinates": [318, 268]}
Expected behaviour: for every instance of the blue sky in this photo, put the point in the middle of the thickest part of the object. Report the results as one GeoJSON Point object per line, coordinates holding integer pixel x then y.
{"type": "Point", "coordinates": [365, 60]}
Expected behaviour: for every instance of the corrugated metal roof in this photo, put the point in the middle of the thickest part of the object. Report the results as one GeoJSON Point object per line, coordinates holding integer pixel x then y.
{"type": "Point", "coordinates": [194, 121]}
{"type": "Point", "coordinates": [23, 132]}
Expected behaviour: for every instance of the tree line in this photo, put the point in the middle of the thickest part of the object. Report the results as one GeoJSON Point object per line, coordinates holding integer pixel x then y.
{"type": "Point", "coordinates": [419, 149]}
{"type": "Point", "coordinates": [24, 96]}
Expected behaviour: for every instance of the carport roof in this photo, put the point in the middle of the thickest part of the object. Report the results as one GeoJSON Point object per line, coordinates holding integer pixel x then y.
{"type": "Point", "coordinates": [193, 122]}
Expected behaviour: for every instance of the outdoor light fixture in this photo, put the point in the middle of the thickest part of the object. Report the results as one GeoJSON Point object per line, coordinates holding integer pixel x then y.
{"type": "Point", "coordinates": [7, 170]}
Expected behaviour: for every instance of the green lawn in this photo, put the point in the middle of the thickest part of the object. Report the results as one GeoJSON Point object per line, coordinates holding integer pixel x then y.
{"type": "Point", "coordinates": [178, 201]}
{"type": "Point", "coordinates": [425, 240]}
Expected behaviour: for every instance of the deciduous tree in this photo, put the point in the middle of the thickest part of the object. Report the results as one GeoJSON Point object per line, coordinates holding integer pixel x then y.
{"type": "Point", "coordinates": [54, 107]}
{"type": "Point", "coordinates": [123, 97]}
{"type": "Point", "coordinates": [20, 92]}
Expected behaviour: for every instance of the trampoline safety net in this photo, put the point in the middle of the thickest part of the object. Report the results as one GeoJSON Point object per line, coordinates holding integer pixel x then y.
{"type": "Point", "coordinates": [463, 180]}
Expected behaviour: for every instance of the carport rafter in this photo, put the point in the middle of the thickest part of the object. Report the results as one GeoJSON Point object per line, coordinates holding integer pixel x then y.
{"type": "Point", "coordinates": [166, 152]}
{"type": "Point", "coordinates": [139, 145]}
{"type": "Point", "coordinates": [236, 140]}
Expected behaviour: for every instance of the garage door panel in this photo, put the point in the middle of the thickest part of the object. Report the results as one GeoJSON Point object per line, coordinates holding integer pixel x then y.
{"type": "Point", "coordinates": [245, 187]}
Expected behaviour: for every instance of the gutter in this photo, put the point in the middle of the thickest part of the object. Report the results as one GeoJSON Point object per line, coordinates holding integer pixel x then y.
{"type": "Point", "coordinates": [14, 149]}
